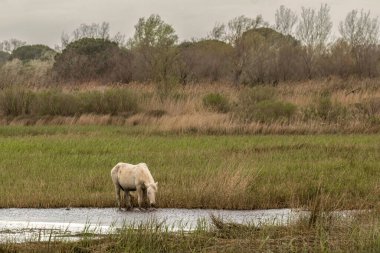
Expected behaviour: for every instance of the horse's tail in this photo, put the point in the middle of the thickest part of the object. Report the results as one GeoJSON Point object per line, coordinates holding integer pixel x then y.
{"type": "Point", "coordinates": [114, 172]}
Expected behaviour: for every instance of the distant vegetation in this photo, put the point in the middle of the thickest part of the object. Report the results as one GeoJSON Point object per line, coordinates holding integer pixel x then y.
{"type": "Point", "coordinates": [244, 51]}
{"type": "Point", "coordinates": [244, 76]}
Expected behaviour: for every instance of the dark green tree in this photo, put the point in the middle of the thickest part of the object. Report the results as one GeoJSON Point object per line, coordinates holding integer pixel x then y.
{"type": "Point", "coordinates": [93, 59]}
{"type": "Point", "coordinates": [33, 52]}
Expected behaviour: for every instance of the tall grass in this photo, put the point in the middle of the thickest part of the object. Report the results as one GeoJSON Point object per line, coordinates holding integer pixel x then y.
{"type": "Point", "coordinates": [324, 106]}
{"type": "Point", "coordinates": [70, 166]}
{"type": "Point", "coordinates": [16, 101]}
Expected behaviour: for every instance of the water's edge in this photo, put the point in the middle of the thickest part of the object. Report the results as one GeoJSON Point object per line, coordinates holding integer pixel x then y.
{"type": "Point", "coordinates": [18, 225]}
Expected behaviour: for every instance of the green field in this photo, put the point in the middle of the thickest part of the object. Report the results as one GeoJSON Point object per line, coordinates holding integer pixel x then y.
{"type": "Point", "coordinates": [48, 166]}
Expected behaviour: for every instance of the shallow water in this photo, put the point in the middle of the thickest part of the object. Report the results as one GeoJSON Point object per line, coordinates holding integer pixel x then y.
{"type": "Point", "coordinates": [18, 225]}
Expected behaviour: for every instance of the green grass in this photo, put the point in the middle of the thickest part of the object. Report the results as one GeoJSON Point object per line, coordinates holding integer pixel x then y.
{"type": "Point", "coordinates": [58, 166]}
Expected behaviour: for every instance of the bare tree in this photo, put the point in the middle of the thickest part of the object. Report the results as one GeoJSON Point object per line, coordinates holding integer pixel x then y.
{"type": "Point", "coordinates": [235, 28]}
{"type": "Point", "coordinates": [95, 31]}
{"type": "Point", "coordinates": [361, 32]}
{"type": "Point", "coordinates": [314, 27]}
{"type": "Point", "coordinates": [11, 44]}
{"type": "Point", "coordinates": [313, 31]}
{"type": "Point", "coordinates": [360, 28]}
{"type": "Point", "coordinates": [218, 32]}
{"type": "Point", "coordinates": [285, 19]}
{"type": "Point", "coordinates": [239, 25]}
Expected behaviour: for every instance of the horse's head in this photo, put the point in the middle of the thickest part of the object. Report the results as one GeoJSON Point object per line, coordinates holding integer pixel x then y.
{"type": "Point", "coordinates": [151, 192]}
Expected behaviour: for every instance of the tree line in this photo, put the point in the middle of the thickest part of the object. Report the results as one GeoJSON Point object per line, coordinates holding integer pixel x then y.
{"type": "Point", "coordinates": [242, 51]}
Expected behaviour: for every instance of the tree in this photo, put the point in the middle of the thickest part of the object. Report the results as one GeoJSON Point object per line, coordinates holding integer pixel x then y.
{"type": "Point", "coordinates": [93, 59]}
{"type": "Point", "coordinates": [94, 30]}
{"type": "Point", "coordinates": [264, 55]}
{"type": "Point", "coordinates": [206, 60]}
{"type": "Point", "coordinates": [153, 32]}
{"type": "Point", "coordinates": [10, 45]}
{"type": "Point", "coordinates": [285, 19]}
{"type": "Point", "coordinates": [97, 31]}
{"type": "Point", "coordinates": [33, 52]}
{"type": "Point", "coordinates": [314, 27]}
{"type": "Point", "coordinates": [218, 32]}
{"type": "Point", "coordinates": [361, 32]}
{"type": "Point", "coordinates": [360, 29]}
{"type": "Point", "coordinates": [153, 49]}
{"type": "Point", "coordinates": [235, 28]}
{"type": "Point", "coordinates": [313, 31]}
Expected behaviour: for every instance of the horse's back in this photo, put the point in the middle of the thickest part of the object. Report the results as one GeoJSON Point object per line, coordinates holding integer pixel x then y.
{"type": "Point", "coordinates": [126, 175]}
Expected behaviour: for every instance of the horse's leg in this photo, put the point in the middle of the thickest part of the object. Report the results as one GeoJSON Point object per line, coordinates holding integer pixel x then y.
{"type": "Point", "coordinates": [117, 192]}
{"type": "Point", "coordinates": [128, 205]}
{"type": "Point", "coordinates": [140, 196]}
{"type": "Point", "coordinates": [145, 199]}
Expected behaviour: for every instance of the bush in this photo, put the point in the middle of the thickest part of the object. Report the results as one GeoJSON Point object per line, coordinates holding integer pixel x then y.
{"type": "Point", "coordinates": [55, 103]}
{"type": "Point", "coordinates": [256, 94]}
{"type": "Point", "coordinates": [259, 104]}
{"type": "Point", "coordinates": [15, 101]}
{"type": "Point", "coordinates": [216, 102]}
{"type": "Point", "coordinates": [271, 110]}
{"type": "Point", "coordinates": [116, 101]}
{"type": "Point", "coordinates": [323, 108]}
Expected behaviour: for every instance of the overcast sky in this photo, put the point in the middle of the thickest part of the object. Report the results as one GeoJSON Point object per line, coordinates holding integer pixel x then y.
{"type": "Point", "coordinates": [43, 21]}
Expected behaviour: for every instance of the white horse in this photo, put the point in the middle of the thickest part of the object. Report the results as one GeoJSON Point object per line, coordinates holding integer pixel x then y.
{"type": "Point", "coordinates": [129, 177]}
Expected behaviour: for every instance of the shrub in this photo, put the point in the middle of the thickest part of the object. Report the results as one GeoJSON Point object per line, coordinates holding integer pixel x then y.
{"type": "Point", "coordinates": [55, 103]}
{"type": "Point", "coordinates": [268, 111]}
{"type": "Point", "coordinates": [116, 101]}
{"type": "Point", "coordinates": [259, 104]}
{"type": "Point", "coordinates": [112, 101]}
{"type": "Point", "coordinates": [216, 102]}
{"type": "Point", "coordinates": [15, 101]}
{"type": "Point", "coordinates": [256, 94]}
{"type": "Point", "coordinates": [323, 108]}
